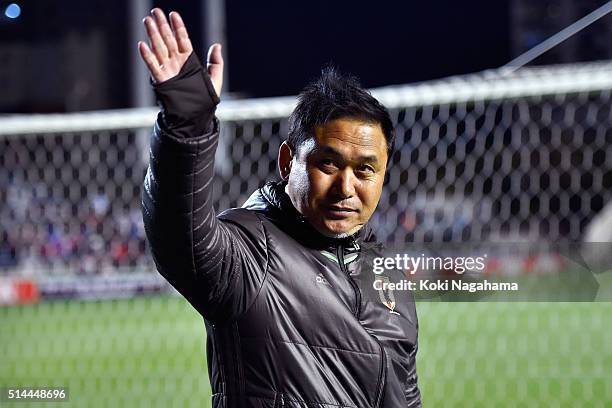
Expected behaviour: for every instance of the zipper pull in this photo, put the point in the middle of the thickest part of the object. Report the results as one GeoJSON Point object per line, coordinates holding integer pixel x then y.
{"type": "Point", "coordinates": [355, 244]}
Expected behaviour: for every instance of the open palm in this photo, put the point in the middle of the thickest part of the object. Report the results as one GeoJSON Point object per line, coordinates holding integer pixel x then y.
{"type": "Point", "coordinates": [170, 48]}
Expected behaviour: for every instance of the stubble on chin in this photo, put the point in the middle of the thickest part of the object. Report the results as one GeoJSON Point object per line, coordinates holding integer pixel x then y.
{"type": "Point", "coordinates": [337, 236]}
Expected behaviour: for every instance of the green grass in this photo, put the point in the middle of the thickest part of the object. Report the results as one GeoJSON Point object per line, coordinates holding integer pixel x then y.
{"type": "Point", "coordinates": [150, 352]}
{"type": "Point", "coordinates": [138, 352]}
{"type": "Point", "coordinates": [516, 354]}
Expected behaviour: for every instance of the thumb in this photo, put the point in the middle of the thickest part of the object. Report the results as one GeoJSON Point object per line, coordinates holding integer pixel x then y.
{"type": "Point", "coordinates": [214, 66]}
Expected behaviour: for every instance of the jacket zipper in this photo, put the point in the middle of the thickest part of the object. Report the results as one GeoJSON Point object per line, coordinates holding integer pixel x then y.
{"type": "Point", "coordinates": [383, 363]}
{"type": "Point", "coordinates": [340, 255]}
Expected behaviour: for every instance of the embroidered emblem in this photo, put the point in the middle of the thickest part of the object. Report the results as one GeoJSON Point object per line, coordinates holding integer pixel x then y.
{"type": "Point", "coordinates": [386, 295]}
{"type": "Point", "coordinates": [321, 279]}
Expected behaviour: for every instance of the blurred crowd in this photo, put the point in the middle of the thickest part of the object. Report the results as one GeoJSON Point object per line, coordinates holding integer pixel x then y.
{"type": "Point", "coordinates": [39, 235]}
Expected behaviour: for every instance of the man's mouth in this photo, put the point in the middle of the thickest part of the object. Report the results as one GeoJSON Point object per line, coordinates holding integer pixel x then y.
{"type": "Point", "coordinates": [340, 211]}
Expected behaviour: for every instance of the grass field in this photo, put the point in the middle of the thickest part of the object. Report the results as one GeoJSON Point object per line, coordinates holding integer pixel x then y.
{"type": "Point", "coordinates": [149, 351]}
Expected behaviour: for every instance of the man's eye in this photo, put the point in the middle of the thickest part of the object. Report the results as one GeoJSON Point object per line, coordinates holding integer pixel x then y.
{"type": "Point", "coordinates": [328, 164]}
{"type": "Point", "coordinates": [366, 169]}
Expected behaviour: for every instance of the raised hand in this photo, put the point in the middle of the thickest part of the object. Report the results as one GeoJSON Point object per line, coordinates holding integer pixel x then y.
{"type": "Point", "coordinates": [170, 48]}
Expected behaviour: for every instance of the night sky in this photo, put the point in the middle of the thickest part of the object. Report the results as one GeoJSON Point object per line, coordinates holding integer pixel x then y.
{"type": "Point", "coordinates": [274, 47]}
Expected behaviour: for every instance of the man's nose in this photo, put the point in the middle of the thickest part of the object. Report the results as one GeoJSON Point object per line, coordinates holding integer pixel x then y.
{"type": "Point", "coordinates": [345, 183]}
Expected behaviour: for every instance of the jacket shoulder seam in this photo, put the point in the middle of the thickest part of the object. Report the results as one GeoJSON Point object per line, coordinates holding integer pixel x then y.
{"type": "Point", "coordinates": [265, 272]}
{"type": "Point", "coordinates": [267, 268]}
{"type": "Point", "coordinates": [265, 277]}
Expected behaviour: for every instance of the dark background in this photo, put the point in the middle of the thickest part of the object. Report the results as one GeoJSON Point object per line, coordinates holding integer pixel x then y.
{"type": "Point", "coordinates": [73, 56]}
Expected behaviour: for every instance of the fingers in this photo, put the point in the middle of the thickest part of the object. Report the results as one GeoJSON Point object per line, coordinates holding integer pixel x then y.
{"type": "Point", "coordinates": [150, 59]}
{"type": "Point", "coordinates": [214, 56]}
{"type": "Point", "coordinates": [180, 32]}
{"type": "Point", "coordinates": [166, 32]}
{"type": "Point", "coordinates": [214, 65]}
{"type": "Point", "coordinates": [157, 43]}
{"type": "Point", "coordinates": [170, 45]}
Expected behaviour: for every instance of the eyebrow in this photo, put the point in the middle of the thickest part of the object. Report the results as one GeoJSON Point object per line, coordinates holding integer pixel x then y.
{"type": "Point", "coordinates": [372, 159]}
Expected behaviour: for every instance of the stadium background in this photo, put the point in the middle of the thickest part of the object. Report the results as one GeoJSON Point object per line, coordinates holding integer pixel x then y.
{"type": "Point", "coordinates": [492, 156]}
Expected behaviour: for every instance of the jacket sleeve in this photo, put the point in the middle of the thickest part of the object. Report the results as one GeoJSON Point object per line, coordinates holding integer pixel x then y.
{"type": "Point", "coordinates": [218, 266]}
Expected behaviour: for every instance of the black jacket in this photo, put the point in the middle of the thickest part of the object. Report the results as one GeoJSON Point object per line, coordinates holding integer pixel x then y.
{"type": "Point", "coordinates": [292, 317]}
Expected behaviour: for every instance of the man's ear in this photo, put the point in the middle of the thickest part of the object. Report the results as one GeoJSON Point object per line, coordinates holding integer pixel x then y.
{"type": "Point", "coordinates": [285, 158]}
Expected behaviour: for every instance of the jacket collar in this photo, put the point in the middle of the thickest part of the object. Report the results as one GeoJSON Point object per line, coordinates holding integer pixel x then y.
{"type": "Point", "coordinates": [272, 201]}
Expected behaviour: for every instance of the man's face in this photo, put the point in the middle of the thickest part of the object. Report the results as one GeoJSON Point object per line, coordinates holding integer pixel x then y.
{"type": "Point", "coordinates": [336, 177]}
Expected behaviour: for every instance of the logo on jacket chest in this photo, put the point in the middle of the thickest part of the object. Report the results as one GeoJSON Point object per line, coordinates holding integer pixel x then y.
{"type": "Point", "coordinates": [386, 295]}
{"type": "Point", "coordinates": [321, 280]}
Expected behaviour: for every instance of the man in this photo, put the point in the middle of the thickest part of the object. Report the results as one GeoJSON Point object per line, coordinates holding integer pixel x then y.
{"type": "Point", "coordinates": [291, 313]}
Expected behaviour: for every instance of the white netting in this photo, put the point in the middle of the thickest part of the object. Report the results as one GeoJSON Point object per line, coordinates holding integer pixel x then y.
{"type": "Point", "coordinates": [479, 157]}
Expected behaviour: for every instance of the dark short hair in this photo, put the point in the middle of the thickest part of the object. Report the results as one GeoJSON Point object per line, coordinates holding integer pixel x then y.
{"type": "Point", "coordinates": [333, 96]}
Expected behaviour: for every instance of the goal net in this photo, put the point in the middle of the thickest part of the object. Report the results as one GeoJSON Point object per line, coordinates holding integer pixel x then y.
{"type": "Point", "coordinates": [521, 157]}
